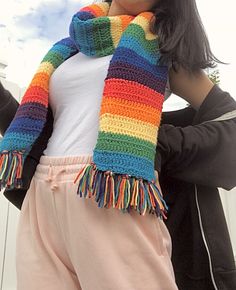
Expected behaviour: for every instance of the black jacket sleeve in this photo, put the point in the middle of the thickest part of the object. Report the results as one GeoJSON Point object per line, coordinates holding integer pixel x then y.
{"type": "Point", "coordinates": [203, 153]}
{"type": "Point", "coordinates": [8, 108]}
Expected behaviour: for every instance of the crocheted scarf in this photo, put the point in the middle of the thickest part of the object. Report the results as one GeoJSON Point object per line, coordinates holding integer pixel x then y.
{"type": "Point", "coordinates": [121, 174]}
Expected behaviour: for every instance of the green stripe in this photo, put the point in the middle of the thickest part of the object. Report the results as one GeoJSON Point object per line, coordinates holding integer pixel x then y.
{"type": "Point", "coordinates": [149, 45]}
{"type": "Point", "coordinates": [125, 144]}
{"type": "Point", "coordinates": [99, 40]}
{"type": "Point", "coordinates": [55, 58]}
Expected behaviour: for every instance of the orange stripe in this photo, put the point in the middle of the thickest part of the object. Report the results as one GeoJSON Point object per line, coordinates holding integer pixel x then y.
{"type": "Point", "coordinates": [131, 109]}
{"type": "Point", "coordinates": [41, 80]}
{"type": "Point", "coordinates": [94, 9]}
{"type": "Point", "coordinates": [97, 10]}
{"type": "Point", "coordinates": [125, 20]}
{"type": "Point", "coordinates": [148, 15]}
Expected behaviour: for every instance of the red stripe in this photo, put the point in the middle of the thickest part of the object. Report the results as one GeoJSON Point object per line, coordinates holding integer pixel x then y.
{"type": "Point", "coordinates": [36, 94]}
{"type": "Point", "coordinates": [133, 91]}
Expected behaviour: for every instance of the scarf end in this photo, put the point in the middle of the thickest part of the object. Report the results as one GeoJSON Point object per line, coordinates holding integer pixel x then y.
{"type": "Point", "coordinates": [120, 191]}
{"type": "Point", "coordinates": [11, 169]}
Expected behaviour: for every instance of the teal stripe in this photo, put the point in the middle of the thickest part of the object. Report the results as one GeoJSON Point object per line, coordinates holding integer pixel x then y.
{"type": "Point", "coordinates": [64, 50]}
{"type": "Point", "coordinates": [122, 163]}
{"type": "Point", "coordinates": [149, 56]}
{"type": "Point", "coordinates": [20, 141]}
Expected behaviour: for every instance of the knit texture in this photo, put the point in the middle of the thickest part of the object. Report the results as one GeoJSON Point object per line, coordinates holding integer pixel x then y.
{"type": "Point", "coordinates": [122, 172]}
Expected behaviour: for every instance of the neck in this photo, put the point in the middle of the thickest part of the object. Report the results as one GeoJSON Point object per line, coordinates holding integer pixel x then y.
{"type": "Point", "coordinates": [117, 9]}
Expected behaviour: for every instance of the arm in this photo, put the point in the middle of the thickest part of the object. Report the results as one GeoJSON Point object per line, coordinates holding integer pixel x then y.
{"type": "Point", "coordinates": [192, 87]}
{"type": "Point", "coordinates": [8, 108]}
{"type": "Point", "coordinates": [205, 152]}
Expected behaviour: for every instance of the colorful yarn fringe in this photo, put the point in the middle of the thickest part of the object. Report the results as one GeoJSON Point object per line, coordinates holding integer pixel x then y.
{"type": "Point", "coordinates": [122, 192]}
{"type": "Point", "coordinates": [11, 169]}
{"type": "Point", "coordinates": [122, 172]}
{"type": "Point", "coordinates": [30, 117]}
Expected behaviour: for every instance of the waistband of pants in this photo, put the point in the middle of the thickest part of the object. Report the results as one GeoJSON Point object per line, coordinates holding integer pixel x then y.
{"type": "Point", "coordinates": [55, 165]}
{"type": "Point", "coordinates": [65, 160]}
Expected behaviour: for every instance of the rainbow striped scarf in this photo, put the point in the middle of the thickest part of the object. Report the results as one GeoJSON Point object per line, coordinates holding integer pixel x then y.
{"type": "Point", "coordinates": [122, 172]}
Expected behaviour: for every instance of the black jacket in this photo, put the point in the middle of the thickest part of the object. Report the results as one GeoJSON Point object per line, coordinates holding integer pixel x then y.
{"type": "Point", "coordinates": [8, 107]}
{"type": "Point", "coordinates": [195, 160]}
{"type": "Point", "coordinates": [195, 155]}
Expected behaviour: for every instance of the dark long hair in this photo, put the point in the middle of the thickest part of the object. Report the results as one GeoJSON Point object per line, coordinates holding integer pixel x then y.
{"type": "Point", "coordinates": [182, 38]}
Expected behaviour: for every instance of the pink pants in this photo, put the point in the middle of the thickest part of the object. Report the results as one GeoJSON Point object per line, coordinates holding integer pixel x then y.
{"type": "Point", "coordinates": [65, 242]}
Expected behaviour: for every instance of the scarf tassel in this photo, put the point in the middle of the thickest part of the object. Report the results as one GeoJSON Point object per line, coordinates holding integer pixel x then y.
{"type": "Point", "coordinates": [120, 191]}
{"type": "Point", "coordinates": [11, 169]}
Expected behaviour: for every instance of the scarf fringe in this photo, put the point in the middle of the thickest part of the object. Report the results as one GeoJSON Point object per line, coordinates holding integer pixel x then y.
{"type": "Point", "coordinates": [11, 169]}
{"type": "Point", "coordinates": [120, 191]}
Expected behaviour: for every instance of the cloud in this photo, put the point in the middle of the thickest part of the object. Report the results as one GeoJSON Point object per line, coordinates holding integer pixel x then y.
{"type": "Point", "coordinates": [50, 19]}
{"type": "Point", "coordinates": [28, 28]}
{"type": "Point", "coordinates": [40, 18]}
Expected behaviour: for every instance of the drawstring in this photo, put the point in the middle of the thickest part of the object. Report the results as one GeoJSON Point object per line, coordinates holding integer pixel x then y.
{"type": "Point", "coordinates": [49, 178]}
{"type": "Point", "coordinates": [54, 184]}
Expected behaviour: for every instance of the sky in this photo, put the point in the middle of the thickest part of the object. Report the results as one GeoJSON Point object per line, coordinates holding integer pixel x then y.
{"type": "Point", "coordinates": [28, 28]}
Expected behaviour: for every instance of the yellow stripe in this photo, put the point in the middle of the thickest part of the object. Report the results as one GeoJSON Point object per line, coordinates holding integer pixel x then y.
{"type": "Point", "coordinates": [116, 29]}
{"type": "Point", "coordinates": [46, 67]}
{"type": "Point", "coordinates": [144, 22]}
{"type": "Point", "coordinates": [128, 126]}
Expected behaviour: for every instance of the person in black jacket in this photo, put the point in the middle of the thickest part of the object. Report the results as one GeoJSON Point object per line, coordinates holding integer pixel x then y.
{"type": "Point", "coordinates": [8, 108]}
{"type": "Point", "coordinates": [196, 152]}
{"type": "Point", "coordinates": [195, 155]}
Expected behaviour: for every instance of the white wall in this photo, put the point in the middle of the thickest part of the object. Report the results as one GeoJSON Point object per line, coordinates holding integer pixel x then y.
{"type": "Point", "coordinates": [8, 224]}
{"type": "Point", "coordinates": [9, 215]}
{"type": "Point", "coordinates": [3, 224]}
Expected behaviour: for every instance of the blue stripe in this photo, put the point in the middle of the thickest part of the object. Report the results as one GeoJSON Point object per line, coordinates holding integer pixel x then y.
{"type": "Point", "coordinates": [24, 123]}
{"type": "Point", "coordinates": [124, 163]}
{"type": "Point", "coordinates": [20, 142]}
{"type": "Point", "coordinates": [67, 42]}
{"type": "Point", "coordinates": [23, 132]}
{"type": "Point", "coordinates": [84, 15]}
{"type": "Point", "coordinates": [135, 45]}
{"type": "Point", "coordinates": [33, 106]}
{"type": "Point", "coordinates": [130, 57]}
{"type": "Point", "coordinates": [64, 50]}
{"type": "Point", "coordinates": [84, 41]}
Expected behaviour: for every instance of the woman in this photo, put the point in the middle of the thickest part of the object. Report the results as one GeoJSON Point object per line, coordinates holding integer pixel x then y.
{"type": "Point", "coordinates": [173, 154]}
{"type": "Point", "coordinates": [65, 256]}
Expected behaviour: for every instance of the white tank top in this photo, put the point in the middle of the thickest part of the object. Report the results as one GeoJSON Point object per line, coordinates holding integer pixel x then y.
{"type": "Point", "coordinates": [75, 93]}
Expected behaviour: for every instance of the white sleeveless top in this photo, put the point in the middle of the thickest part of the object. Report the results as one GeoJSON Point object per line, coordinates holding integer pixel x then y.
{"type": "Point", "coordinates": [75, 93]}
